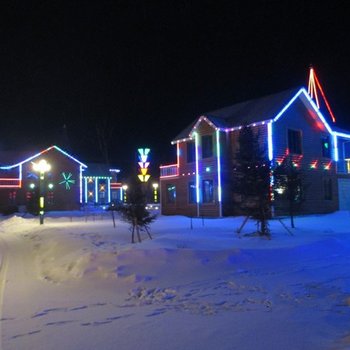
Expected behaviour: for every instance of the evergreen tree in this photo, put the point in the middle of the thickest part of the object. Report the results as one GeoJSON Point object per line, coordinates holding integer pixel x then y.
{"type": "Point", "coordinates": [288, 186]}
{"type": "Point", "coordinates": [135, 212]}
{"type": "Point", "coordinates": [252, 179]}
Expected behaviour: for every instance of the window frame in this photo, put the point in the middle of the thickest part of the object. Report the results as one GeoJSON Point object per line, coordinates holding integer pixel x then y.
{"type": "Point", "coordinates": [208, 199]}
{"type": "Point", "coordinates": [170, 199]}
{"type": "Point", "coordinates": [190, 151]}
{"type": "Point", "coordinates": [207, 147]}
{"type": "Point", "coordinates": [191, 196]}
{"type": "Point", "coordinates": [326, 152]}
{"type": "Point", "coordinates": [295, 145]}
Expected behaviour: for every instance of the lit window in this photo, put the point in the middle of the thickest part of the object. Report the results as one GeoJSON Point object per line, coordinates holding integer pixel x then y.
{"type": "Point", "coordinates": [294, 141]}
{"type": "Point", "coordinates": [207, 191]}
{"type": "Point", "coordinates": [171, 193]}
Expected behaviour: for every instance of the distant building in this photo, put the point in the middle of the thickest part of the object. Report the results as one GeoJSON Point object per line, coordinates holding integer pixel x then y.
{"type": "Point", "coordinates": [68, 185]}
{"type": "Point", "coordinates": [199, 183]}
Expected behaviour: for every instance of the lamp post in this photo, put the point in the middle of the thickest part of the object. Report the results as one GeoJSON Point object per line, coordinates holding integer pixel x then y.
{"type": "Point", "coordinates": [41, 167]}
{"type": "Point", "coordinates": [124, 187]}
{"type": "Point", "coordinates": [155, 192]}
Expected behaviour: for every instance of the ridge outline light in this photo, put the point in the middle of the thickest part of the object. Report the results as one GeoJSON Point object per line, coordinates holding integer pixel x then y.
{"type": "Point", "coordinates": [143, 164]}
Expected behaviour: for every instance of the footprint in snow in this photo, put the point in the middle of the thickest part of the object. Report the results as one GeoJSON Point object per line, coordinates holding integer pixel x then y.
{"type": "Point", "coordinates": [78, 308]}
{"type": "Point", "coordinates": [59, 323]}
{"type": "Point", "coordinates": [24, 334]}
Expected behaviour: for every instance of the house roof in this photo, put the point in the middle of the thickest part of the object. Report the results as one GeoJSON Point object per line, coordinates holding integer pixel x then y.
{"type": "Point", "coordinates": [13, 157]}
{"type": "Point", "coordinates": [97, 169]}
{"type": "Point", "coordinates": [6, 162]}
{"type": "Point", "coordinates": [247, 112]}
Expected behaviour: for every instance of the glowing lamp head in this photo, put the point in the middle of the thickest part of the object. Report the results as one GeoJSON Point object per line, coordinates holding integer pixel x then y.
{"type": "Point", "coordinates": [42, 166]}
{"type": "Point", "coordinates": [155, 186]}
{"type": "Point", "coordinates": [125, 187]}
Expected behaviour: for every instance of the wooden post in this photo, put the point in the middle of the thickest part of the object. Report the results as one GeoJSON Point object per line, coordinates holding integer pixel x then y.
{"type": "Point", "coordinates": [286, 228]}
{"type": "Point", "coordinates": [113, 218]}
{"type": "Point", "coordinates": [243, 224]}
{"type": "Point", "coordinates": [149, 235]}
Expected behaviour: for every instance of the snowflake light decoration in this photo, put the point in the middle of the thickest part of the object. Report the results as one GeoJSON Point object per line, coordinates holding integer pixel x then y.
{"type": "Point", "coordinates": [68, 181]}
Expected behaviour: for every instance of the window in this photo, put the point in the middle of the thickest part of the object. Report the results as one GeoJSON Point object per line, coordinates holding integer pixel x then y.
{"type": "Point", "coordinates": [50, 197]}
{"type": "Point", "coordinates": [191, 152]}
{"type": "Point", "coordinates": [294, 141]}
{"type": "Point", "coordinates": [327, 185]}
{"type": "Point", "coordinates": [12, 197]}
{"type": "Point", "coordinates": [207, 146]}
{"type": "Point", "coordinates": [192, 192]}
{"type": "Point", "coordinates": [170, 193]}
{"type": "Point", "coordinates": [326, 148]}
{"type": "Point", "coordinates": [207, 191]}
{"type": "Point", "coordinates": [115, 196]}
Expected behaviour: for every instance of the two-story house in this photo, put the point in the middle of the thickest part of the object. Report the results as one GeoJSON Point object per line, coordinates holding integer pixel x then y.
{"type": "Point", "coordinates": [289, 124]}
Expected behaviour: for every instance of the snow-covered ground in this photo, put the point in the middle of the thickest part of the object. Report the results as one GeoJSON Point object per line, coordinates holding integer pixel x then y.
{"type": "Point", "coordinates": [77, 282]}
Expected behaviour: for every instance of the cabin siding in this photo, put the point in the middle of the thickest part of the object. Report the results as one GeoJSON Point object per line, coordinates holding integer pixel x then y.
{"type": "Point", "coordinates": [313, 166]}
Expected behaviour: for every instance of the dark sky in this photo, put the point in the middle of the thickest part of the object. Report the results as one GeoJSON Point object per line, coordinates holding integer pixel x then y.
{"type": "Point", "coordinates": [142, 71]}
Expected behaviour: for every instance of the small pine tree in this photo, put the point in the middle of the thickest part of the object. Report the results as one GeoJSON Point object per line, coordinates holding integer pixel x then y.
{"type": "Point", "coordinates": [135, 212]}
{"type": "Point", "coordinates": [252, 179]}
{"type": "Point", "coordinates": [288, 186]}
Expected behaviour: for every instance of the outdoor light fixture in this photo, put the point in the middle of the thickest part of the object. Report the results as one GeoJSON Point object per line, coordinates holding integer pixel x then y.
{"type": "Point", "coordinates": [143, 164]}
{"type": "Point", "coordinates": [155, 192]}
{"type": "Point", "coordinates": [41, 167]}
{"type": "Point", "coordinates": [124, 187]}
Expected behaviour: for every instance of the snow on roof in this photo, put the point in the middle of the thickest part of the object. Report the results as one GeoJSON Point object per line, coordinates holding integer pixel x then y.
{"type": "Point", "coordinates": [247, 112]}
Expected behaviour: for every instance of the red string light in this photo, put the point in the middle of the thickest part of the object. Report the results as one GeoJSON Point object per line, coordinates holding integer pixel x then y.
{"type": "Point", "coordinates": [313, 85]}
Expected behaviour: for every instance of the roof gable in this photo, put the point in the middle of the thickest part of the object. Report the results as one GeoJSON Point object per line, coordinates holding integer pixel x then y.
{"type": "Point", "coordinates": [39, 154]}
{"type": "Point", "coordinates": [261, 110]}
{"type": "Point", "coordinates": [253, 111]}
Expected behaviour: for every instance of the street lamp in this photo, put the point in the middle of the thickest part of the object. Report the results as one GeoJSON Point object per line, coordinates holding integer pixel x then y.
{"type": "Point", "coordinates": [124, 187]}
{"type": "Point", "coordinates": [41, 167]}
{"type": "Point", "coordinates": [155, 192]}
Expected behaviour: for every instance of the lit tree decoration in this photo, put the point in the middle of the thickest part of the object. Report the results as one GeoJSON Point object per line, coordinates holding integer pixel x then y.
{"type": "Point", "coordinates": [67, 180]}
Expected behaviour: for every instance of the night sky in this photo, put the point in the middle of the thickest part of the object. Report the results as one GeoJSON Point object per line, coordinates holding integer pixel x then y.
{"type": "Point", "coordinates": [140, 72]}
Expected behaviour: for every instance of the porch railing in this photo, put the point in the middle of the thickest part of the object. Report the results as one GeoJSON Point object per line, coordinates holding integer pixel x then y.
{"type": "Point", "coordinates": [169, 170]}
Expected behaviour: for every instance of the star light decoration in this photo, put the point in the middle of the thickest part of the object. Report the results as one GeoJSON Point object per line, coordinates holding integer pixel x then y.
{"type": "Point", "coordinates": [68, 181]}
